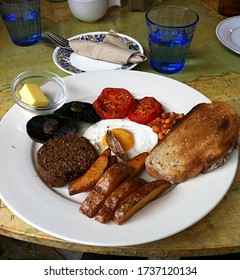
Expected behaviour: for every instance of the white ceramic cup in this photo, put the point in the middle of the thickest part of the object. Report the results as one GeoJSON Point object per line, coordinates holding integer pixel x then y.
{"type": "Point", "coordinates": [91, 10]}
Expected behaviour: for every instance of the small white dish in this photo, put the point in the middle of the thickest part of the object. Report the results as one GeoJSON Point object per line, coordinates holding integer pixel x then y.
{"type": "Point", "coordinates": [72, 63]}
{"type": "Point", "coordinates": [52, 86]}
{"type": "Point", "coordinates": [228, 33]}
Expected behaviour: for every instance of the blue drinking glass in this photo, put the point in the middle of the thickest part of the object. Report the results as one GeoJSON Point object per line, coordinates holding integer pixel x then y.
{"type": "Point", "coordinates": [22, 19]}
{"type": "Point", "coordinates": [170, 32]}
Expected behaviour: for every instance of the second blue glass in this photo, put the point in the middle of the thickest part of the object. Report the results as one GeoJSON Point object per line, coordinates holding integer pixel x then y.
{"type": "Point", "coordinates": [170, 32]}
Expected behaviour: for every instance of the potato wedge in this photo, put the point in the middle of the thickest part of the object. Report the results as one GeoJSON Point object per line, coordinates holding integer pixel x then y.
{"type": "Point", "coordinates": [138, 199]}
{"type": "Point", "coordinates": [115, 146]}
{"type": "Point", "coordinates": [106, 212]}
{"type": "Point", "coordinates": [113, 176]}
{"type": "Point", "coordinates": [87, 181]}
{"type": "Point", "coordinates": [138, 163]}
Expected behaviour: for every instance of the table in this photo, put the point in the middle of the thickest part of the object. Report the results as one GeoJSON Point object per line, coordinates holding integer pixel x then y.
{"type": "Point", "coordinates": [211, 68]}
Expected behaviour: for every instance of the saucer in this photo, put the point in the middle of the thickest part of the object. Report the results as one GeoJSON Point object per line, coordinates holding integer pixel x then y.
{"type": "Point", "coordinates": [72, 63]}
{"type": "Point", "coordinates": [228, 33]}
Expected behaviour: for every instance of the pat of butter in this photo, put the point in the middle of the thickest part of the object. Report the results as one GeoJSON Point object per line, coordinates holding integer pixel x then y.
{"type": "Point", "coordinates": [33, 95]}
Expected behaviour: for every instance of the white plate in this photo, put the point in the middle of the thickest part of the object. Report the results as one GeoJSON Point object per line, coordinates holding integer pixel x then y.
{"type": "Point", "coordinates": [228, 33]}
{"type": "Point", "coordinates": [53, 211]}
{"type": "Point", "coordinates": [72, 63]}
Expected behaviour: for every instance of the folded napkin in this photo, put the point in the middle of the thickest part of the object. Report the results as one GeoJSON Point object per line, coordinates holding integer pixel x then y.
{"type": "Point", "coordinates": [112, 49]}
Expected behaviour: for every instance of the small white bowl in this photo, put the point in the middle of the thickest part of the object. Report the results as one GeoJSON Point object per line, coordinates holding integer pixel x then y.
{"type": "Point", "coordinates": [52, 86]}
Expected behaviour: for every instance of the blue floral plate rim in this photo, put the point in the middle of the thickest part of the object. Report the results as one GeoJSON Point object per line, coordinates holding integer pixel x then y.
{"type": "Point", "coordinates": [72, 63]}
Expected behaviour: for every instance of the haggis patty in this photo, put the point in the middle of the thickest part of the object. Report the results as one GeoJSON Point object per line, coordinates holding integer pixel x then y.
{"type": "Point", "coordinates": [65, 158]}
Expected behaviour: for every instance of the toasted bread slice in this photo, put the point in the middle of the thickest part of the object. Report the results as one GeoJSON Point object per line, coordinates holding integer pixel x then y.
{"type": "Point", "coordinates": [200, 142]}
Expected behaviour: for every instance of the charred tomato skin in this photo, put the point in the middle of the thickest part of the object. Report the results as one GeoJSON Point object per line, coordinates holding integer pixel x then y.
{"type": "Point", "coordinates": [145, 110]}
{"type": "Point", "coordinates": [113, 103]}
{"type": "Point", "coordinates": [41, 128]}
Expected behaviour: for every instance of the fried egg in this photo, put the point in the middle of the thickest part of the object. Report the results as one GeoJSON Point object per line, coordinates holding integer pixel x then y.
{"type": "Point", "coordinates": [135, 138]}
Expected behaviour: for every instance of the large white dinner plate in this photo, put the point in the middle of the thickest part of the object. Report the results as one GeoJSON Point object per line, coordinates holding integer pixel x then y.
{"type": "Point", "coordinates": [54, 212]}
{"type": "Point", "coordinates": [228, 33]}
{"type": "Point", "coordinates": [72, 63]}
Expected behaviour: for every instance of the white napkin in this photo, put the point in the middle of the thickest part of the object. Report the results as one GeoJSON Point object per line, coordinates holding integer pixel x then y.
{"type": "Point", "coordinates": [113, 49]}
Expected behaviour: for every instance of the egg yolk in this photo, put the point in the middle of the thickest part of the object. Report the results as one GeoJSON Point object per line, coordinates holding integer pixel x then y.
{"type": "Point", "coordinates": [123, 136]}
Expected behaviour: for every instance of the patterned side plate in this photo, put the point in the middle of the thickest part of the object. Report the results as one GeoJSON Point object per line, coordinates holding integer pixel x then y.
{"type": "Point", "coordinates": [72, 63]}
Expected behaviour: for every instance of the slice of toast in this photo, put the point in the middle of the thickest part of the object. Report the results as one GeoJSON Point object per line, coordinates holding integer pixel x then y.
{"type": "Point", "coordinates": [200, 142]}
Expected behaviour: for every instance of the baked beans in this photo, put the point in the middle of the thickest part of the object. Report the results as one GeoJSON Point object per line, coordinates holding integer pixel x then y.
{"type": "Point", "coordinates": [163, 124]}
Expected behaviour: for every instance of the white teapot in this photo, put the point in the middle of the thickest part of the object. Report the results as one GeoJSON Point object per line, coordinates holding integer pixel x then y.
{"type": "Point", "coordinates": [91, 10]}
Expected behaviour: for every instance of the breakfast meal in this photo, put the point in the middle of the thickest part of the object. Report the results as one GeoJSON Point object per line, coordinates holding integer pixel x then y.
{"type": "Point", "coordinates": [64, 158]}
{"type": "Point", "coordinates": [127, 136]}
{"type": "Point", "coordinates": [201, 142]}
